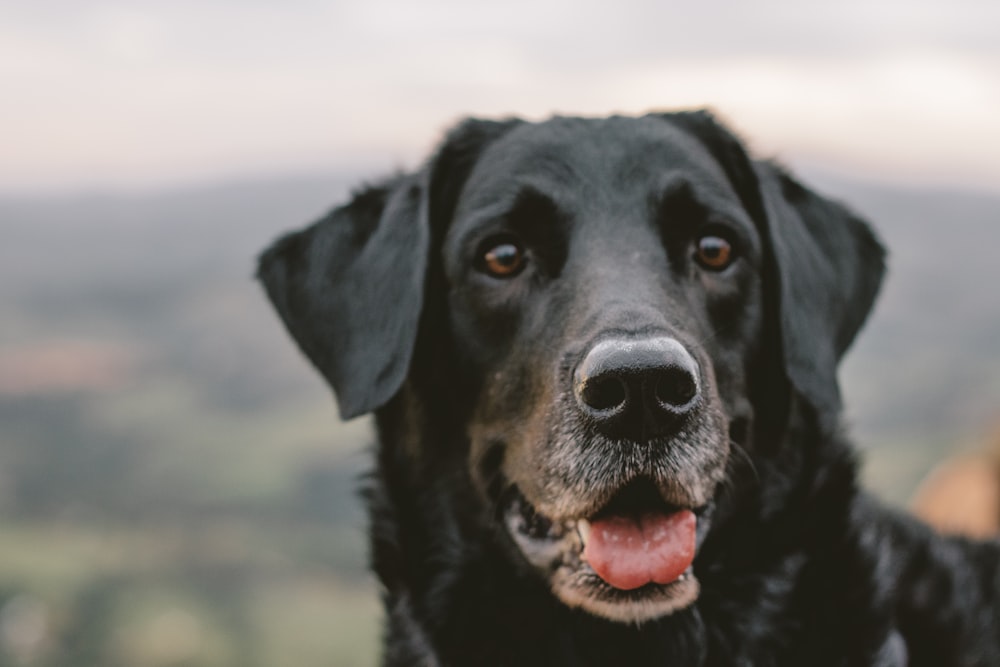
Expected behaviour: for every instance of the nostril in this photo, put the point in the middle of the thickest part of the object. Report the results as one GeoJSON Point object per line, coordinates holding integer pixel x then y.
{"type": "Point", "coordinates": [637, 388]}
{"type": "Point", "coordinates": [603, 394]}
{"type": "Point", "coordinates": [675, 388]}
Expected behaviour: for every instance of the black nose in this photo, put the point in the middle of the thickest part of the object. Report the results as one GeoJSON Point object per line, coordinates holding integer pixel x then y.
{"type": "Point", "coordinates": [637, 389]}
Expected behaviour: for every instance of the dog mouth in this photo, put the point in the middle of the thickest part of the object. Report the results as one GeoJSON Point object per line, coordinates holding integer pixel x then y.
{"type": "Point", "coordinates": [630, 561]}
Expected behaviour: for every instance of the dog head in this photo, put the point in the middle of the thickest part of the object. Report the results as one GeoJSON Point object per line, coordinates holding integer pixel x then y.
{"type": "Point", "coordinates": [603, 309]}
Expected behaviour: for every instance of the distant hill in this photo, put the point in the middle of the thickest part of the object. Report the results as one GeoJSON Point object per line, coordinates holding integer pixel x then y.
{"type": "Point", "coordinates": [150, 402]}
{"type": "Point", "coordinates": [160, 287]}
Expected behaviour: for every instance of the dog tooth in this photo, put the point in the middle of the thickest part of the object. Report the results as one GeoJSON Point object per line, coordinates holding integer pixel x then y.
{"type": "Point", "coordinates": [583, 528]}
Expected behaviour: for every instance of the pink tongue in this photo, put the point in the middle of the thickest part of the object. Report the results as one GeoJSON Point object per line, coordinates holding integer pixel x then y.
{"type": "Point", "coordinates": [629, 552]}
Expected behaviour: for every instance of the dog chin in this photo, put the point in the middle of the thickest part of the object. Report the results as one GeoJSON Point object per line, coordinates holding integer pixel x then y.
{"type": "Point", "coordinates": [557, 551]}
{"type": "Point", "coordinates": [588, 592]}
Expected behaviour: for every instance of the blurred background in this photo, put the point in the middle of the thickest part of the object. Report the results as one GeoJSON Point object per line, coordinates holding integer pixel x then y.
{"type": "Point", "coordinates": [175, 487]}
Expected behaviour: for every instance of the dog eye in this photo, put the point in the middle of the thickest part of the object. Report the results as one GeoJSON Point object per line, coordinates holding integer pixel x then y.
{"type": "Point", "coordinates": [714, 252]}
{"type": "Point", "coordinates": [503, 259]}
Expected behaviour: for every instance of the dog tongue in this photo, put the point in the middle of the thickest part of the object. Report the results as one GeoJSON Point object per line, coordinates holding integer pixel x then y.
{"type": "Point", "coordinates": [629, 552]}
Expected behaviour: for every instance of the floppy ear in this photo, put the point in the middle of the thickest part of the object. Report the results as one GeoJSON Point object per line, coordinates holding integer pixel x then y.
{"type": "Point", "coordinates": [826, 261]}
{"type": "Point", "coordinates": [829, 265]}
{"type": "Point", "coordinates": [350, 289]}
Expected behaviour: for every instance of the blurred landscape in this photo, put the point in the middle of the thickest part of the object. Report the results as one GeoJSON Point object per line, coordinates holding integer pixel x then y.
{"type": "Point", "coordinates": [176, 488]}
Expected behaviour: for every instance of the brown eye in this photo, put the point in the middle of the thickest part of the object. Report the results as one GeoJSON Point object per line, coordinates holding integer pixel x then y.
{"type": "Point", "coordinates": [714, 252]}
{"type": "Point", "coordinates": [503, 260]}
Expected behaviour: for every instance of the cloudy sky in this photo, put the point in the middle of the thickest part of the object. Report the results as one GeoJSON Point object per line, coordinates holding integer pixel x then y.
{"type": "Point", "coordinates": [123, 94]}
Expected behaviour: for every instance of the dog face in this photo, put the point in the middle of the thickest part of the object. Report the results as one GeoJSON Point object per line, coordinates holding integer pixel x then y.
{"type": "Point", "coordinates": [610, 304]}
{"type": "Point", "coordinates": [605, 283]}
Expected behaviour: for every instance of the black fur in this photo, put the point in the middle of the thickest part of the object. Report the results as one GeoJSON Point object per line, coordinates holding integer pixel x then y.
{"type": "Point", "coordinates": [467, 375]}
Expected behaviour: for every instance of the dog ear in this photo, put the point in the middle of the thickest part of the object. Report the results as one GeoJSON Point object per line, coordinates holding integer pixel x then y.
{"type": "Point", "coordinates": [829, 265]}
{"type": "Point", "coordinates": [350, 288]}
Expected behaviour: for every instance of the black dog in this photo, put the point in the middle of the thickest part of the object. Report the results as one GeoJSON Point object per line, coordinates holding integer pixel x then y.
{"type": "Point", "coordinates": [602, 357]}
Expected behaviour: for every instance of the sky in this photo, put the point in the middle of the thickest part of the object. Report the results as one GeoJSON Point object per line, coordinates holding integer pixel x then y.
{"type": "Point", "coordinates": [149, 94]}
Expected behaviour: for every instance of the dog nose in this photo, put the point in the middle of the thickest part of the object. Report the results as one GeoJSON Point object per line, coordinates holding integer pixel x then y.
{"type": "Point", "coordinates": [637, 389]}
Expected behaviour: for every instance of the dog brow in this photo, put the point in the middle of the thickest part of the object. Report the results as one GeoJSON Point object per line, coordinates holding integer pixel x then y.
{"type": "Point", "coordinates": [675, 202]}
{"type": "Point", "coordinates": [532, 207]}
{"type": "Point", "coordinates": [679, 201]}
